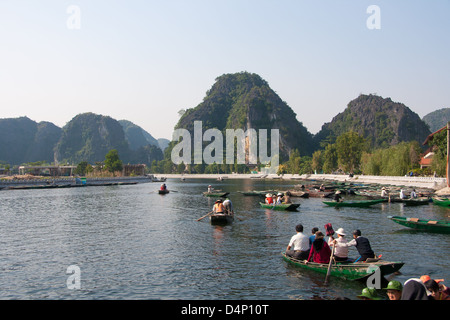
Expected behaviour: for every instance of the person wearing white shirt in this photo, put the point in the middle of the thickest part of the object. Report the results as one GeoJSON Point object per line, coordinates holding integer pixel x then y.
{"type": "Point", "coordinates": [298, 247]}
{"type": "Point", "coordinates": [340, 250]}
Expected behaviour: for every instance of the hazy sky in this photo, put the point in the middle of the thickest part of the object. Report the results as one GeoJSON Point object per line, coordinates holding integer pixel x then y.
{"type": "Point", "coordinates": [143, 61]}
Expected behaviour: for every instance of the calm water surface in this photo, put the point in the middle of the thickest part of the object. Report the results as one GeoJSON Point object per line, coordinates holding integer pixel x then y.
{"type": "Point", "coordinates": [129, 242]}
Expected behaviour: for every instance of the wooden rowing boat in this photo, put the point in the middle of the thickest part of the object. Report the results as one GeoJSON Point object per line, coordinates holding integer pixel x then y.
{"type": "Point", "coordinates": [415, 202]}
{"type": "Point", "coordinates": [283, 206]}
{"type": "Point", "coordinates": [163, 191]}
{"type": "Point", "coordinates": [215, 194]}
{"type": "Point", "coordinates": [443, 202]}
{"type": "Point", "coordinates": [348, 270]}
{"type": "Point", "coordinates": [221, 219]}
{"type": "Point", "coordinates": [438, 226]}
{"type": "Point", "coordinates": [353, 203]}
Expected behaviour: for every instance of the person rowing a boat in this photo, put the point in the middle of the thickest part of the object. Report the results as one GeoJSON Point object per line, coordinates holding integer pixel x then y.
{"type": "Point", "coordinates": [163, 187]}
{"type": "Point", "coordinates": [337, 196]}
{"type": "Point", "coordinates": [228, 206]}
{"type": "Point", "coordinates": [362, 244]}
{"type": "Point", "coordinates": [218, 207]}
{"type": "Point", "coordinates": [298, 246]}
{"type": "Point", "coordinates": [287, 197]}
{"type": "Point", "coordinates": [210, 189]}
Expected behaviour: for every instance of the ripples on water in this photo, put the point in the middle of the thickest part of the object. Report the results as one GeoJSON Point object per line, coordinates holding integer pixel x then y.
{"type": "Point", "coordinates": [132, 243]}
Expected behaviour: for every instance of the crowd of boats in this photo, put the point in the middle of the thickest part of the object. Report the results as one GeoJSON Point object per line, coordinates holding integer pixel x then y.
{"type": "Point", "coordinates": [354, 196]}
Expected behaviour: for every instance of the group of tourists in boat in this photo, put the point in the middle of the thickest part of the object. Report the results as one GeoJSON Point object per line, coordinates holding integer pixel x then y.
{"type": "Point", "coordinates": [314, 248]}
{"type": "Point", "coordinates": [279, 198]}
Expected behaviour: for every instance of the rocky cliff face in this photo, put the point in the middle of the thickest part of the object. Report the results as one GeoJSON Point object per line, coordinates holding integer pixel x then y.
{"type": "Point", "coordinates": [24, 140]}
{"type": "Point", "coordinates": [244, 101]}
{"type": "Point", "coordinates": [437, 119]}
{"type": "Point", "coordinates": [380, 120]}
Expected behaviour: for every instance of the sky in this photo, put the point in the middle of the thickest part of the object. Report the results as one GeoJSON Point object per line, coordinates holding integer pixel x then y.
{"type": "Point", "coordinates": [143, 61]}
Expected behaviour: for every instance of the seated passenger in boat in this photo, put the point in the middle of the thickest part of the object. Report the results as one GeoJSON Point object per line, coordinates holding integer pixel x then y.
{"type": "Point", "coordinates": [163, 187]}
{"type": "Point", "coordinates": [320, 251]}
{"type": "Point", "coordinates": [362, 244]}
{"type": "Point", "coordinates": [340, 252]}
{"type": "Point", "coordinates": [269, 199]}
{"type": "Point", "coordinates": [279, 198]}
{"type": "Point", "coordinates": [298, 246]}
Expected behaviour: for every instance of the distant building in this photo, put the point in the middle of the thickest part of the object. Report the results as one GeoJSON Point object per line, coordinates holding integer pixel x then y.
{"type": "Point", "coordinates": [53, 171]}
{"type": "Point", "coordinates": [426, 160]}
{"type": "Point", "coordinates": [133, 170]}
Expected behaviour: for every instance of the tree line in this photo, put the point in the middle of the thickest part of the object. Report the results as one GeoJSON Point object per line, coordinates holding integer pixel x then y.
{"type": "Point", "coordinates": [349, 153]}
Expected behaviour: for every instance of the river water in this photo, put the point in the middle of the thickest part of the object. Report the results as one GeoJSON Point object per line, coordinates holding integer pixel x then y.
{"type": "Point", "coordinates": [129, 242]}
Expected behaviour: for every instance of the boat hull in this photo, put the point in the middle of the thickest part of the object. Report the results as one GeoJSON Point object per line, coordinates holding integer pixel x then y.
{"type": "Point", "coordinates": [221, 219]}
{"type": "Point", "coordinates": [216, 194]}
{"type": "Point", "coordinates": [438, 226]}
{"type": "Point", "coordinates": [348, 270]}
{"type": "Point", "coordinates": [441, 202]}
{"type": "Point", "coordinates": [355, 203]}
{"type": "Point", "coordinates": [281, 207]}
{"type": "Point", "coordinates": [163, 191]}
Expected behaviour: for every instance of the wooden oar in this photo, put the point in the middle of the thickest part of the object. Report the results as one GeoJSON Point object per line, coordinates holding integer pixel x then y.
{"type": "Point", "coordinates": [329, 266]}
{"type": "Point", "coordinates": [205, 216]}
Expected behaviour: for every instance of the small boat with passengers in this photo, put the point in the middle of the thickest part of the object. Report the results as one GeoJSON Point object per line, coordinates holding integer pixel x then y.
{"type": "Point", "coordinates": [348, 270]}
{"type": "Point", "coordinates": [282, 206]}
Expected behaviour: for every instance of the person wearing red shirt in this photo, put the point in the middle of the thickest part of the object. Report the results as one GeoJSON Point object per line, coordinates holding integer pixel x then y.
{"type": "Point", "coordinates": [320, 251]}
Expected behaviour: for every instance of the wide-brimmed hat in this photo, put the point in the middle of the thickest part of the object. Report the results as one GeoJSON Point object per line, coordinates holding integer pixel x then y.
{"type": "Point", "coordinates": [218, 200]}
{"type": "Point", "coordinates": [280, 194]}
{"type": "Point", "coordinates": [337, 192]}
{"type": "Point", "coordinates": [268, 195]}
{"type": "Point", "coordinates": [341, 232]}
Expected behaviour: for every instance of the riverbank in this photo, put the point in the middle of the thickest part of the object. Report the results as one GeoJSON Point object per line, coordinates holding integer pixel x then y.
{"type": "Point", "coordinates": [418, 182]}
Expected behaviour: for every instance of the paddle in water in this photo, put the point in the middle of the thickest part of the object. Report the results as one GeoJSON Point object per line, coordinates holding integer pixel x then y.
{"type": "Point", "coordinates": [205, 216]}
{"type": "Point", "coordinates": [329, 232]}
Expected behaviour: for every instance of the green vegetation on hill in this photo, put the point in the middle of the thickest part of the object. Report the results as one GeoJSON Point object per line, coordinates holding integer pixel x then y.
{"type": "Point", "coordinates": [437, 119]}
{"type": "Point", "coordinates": [381, 121]}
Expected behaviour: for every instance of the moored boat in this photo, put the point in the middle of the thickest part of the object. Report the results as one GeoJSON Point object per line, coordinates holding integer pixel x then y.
{"type": "Point", "coordinates": [354, 203]}
{"type": "Point", "coordinates": [348, 270]}
{"type": "Point", "coordinates": [215, 194]}
{"type": "Point", "coordinates": [282, 206]}
{"type": "Point", "coordinates": [438, 226]}
{"type": "Point", "coordinates": [443, 202]}
{"type": "Point", "coordinates": [221, 219]}
{"type": "Point", "coordinates": [415, 202]}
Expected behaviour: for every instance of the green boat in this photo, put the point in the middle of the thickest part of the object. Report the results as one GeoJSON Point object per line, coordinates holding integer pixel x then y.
{"type": "Point", "coordinates": [354, 203]}
{"type": "Point", "coordinates": [438, 226]}
{"type": "Point", "coordinates": [215, 194]}
{"type": "Point", "coordinates": [415, 202]}
{"type": "Point", "coordinates": [443, 202]}
{"type": "Point", "coordinates": [283, 206]}
{"type": "Point", "coordinates": [348, 270]}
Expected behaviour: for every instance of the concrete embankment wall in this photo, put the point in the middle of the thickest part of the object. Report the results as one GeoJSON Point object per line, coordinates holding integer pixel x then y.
{"type": "Point", "coordinates": [424, 182]}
